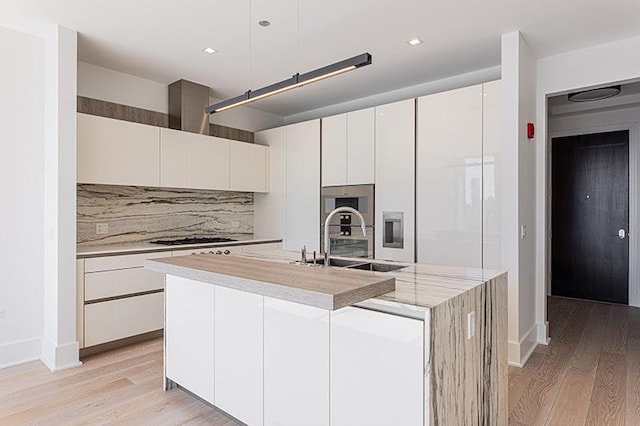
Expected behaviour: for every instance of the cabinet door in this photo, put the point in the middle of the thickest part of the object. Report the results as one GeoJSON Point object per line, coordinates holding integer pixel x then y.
{"type": "Point", "coordinates": [296, 364]}
{"type": "Point", "coordinates": [189, 354]}
{"type": "Point", "coordinates": [303, 186]}
{"type": "Point", "coordinates": [248, 167]}
{"type": "Point", "coordinates": [491, 174]}
{"type": "Point", "coordinates": [449, 178]}
{"type": "Point", "coordinates": [334, 150]}
{"type": "Point", "coordinates": [117, 152]}
{"type": "Point", "coordinates": [395, 177]}
{"type": "Point", "coordinates": [189, 160]}
{"type": "Point", "coordinates": [269, 208]}
{"type": "Point", "coordinates": [360, 147]}
{"type": "Point", "coordinates": [238, 338]}
{"type": "Point", "coordinates": [120, 318]}
{"type": "Point", "coordinates": [377, 369]}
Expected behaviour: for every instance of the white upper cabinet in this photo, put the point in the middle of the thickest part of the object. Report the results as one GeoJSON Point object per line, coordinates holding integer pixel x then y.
{"type": "Point", "coordinates": [248, 166]}
{"type": "Point", "coordinates": [270, 208]}
{"type": "Point", "coordinates": [189, 160]}
{"type": "Point", "coordinates": [117, 152]}
{"type": "Point", "coordinates": [334, 150]}
{"type": "Point", "coordinates": [303, 186]}
{"type": "Point", "coordinates": [491, 174]}
{"type": "Point", "coordinates": [449, 177]}
{"type": "Point", "coordinates": [348, 148]}
{"type": "Point", "coordinates": [360, 146]}
{"type": "Point", "coordinates": [395, 181]}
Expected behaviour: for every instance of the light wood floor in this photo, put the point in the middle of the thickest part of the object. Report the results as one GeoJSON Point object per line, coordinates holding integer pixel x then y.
{"type": "Point", "coordinates": [123, 386]}
{"type": "Point", "coordinates": [589, 374]}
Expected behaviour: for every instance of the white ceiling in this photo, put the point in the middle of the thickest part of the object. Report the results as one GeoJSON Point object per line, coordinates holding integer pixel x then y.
{"type": "Point", "coordinates": [162, 40]}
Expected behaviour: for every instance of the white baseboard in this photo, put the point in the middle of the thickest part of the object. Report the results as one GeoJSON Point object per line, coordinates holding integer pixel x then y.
{"type": "Point", "coordinates": [61, 357]}
{"type": "Point", "coordinates": [16, 353]}
{"type": "Point", "coordinates": [519, 352]}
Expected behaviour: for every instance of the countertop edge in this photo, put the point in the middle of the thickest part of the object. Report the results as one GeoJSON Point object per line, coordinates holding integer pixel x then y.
{"type": "Point", "coordinates": [122, 250]}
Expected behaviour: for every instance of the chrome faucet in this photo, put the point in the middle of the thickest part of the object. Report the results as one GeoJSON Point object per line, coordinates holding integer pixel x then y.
{"type": "Point", "coordinates": [327, 241]}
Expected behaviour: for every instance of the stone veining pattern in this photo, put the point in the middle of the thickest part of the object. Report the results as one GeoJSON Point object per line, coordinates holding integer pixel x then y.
{"type": "Point", "coordinates": [136, 214]}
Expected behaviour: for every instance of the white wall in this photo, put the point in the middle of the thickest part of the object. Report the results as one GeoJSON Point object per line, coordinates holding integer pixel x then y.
{"type": "Point", "coordinates": [449, 83]}
{"type": "Point", "coordinates": [598, 65]}
{"type": "Point", "coordinates": [518, 201]}
{"type": "Point", "coordinates": [606, 121]}
{"type": "Point", "coordinates": [114, 86]}
{"type": "Point", "coordinates": [21, 185]}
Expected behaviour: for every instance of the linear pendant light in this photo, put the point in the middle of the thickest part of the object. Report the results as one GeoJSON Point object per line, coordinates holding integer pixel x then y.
{"type": "Point", "coordinates": [297, 80]}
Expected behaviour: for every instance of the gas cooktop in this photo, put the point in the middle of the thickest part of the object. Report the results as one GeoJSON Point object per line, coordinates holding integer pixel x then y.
{"type": "Point", "coordinates": [193, 240]}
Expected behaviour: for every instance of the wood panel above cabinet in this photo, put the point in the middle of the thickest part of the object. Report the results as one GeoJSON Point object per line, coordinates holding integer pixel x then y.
{"type": "Point", "coordinates": [117, 152]}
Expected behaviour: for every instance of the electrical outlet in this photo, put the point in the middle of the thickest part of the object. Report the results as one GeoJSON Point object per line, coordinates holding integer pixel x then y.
{"type": "Point", "coordinates": [523, 232]}
{"type": "Point", "coordinates": [1, 314]}
{"type": "Point", "coordinates": [102, 228]}
{"type": "Point", "coordinates": [471, 325]}
{"type": "Point", "coordinates": [235, 224]}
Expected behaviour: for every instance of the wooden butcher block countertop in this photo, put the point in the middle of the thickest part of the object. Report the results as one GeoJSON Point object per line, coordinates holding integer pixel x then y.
{"type": "Point", "coordinates": [327, 288]}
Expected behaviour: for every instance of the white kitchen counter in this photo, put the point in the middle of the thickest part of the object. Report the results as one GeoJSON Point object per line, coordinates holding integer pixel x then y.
{"type": "Point", "coordinates": [85, 251]}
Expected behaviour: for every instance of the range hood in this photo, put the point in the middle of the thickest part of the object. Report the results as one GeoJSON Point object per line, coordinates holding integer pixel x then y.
{"type": "Point", "coordinates": [187, 102]}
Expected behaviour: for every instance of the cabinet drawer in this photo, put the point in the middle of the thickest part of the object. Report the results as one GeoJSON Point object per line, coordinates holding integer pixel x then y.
{"type": "Point", "coordinates": [101, 285]}
{"type": "Point", "coordinates": [117, 319]}
{"type": "Point", "coordinates": [109, 263]}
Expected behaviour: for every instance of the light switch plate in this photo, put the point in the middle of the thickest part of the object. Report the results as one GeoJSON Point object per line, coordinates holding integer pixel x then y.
{"type": "Point", "coordinates": [471, 325]}
{"type": "Point", "coordinates": [102, 228]}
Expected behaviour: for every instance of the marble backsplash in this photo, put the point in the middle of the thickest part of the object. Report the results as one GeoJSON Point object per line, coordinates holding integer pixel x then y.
{"type": "Point", "coordinates": [136, 214]}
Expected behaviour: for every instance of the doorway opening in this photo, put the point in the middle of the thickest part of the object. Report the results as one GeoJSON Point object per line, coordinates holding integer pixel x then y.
{"type": "Point", "coordinates": [590, 216]}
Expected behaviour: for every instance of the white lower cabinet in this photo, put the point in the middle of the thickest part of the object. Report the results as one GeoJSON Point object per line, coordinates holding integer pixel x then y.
{"type": "Point", "coordinates": [238, 336]}
{"type": "Point", "coordinates": [377, 369]}
{"type": "Point", "coordinates": [121, 318]}
{"type": "Point", "coordinates": [296, 364]}
{"type": "Point", "coordinates": [189, 335]}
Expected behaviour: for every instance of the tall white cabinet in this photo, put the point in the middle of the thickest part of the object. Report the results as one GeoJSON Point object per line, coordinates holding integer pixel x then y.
{"type": "Point", "coordinates": [348, 148]}
{"type": "Point", "coordinates": [395, 179]}
{"type": "Point", "coordinates": [292, 206]}
{"type": "Point", "coordinates": [458, 150]}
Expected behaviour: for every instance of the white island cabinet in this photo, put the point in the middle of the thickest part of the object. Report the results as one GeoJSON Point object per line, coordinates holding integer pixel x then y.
{"type": "Point", "coordinates": [189, 335]}
{"type": "Point", "coordinates": [377, 369]}
{"type": "Point", "coordinates": [267, 361]}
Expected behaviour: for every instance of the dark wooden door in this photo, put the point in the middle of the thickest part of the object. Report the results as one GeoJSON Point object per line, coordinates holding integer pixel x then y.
{"type": "Point", "coordinates": [590, 204]}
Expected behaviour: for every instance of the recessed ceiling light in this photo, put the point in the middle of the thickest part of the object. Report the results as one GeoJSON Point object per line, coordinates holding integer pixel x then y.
{"type": "Point", "coordinates": [415, 41]}
{"type": "Point", "coordinates": [209, 50]}
{"type": "Point", "coordinates": [264, 23]}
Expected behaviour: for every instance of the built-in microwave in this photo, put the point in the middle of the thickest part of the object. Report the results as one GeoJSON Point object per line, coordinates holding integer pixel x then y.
{"type": "Point", "coordinates": [345, 233]}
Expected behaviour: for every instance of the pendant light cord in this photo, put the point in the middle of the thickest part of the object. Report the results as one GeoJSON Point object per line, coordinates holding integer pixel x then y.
{"type": "Point", "coordinates": [250, 43]}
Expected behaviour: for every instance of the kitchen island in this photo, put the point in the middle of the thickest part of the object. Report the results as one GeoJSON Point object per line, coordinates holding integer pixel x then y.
{"type": "Point", "coordinates": [432, 351]}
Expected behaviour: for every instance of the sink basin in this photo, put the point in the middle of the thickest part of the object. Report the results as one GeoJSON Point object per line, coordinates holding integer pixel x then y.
{"type": "Point", "coordinates": [357, 264]}
{"type": "Point", "coordinates": [378, 267]}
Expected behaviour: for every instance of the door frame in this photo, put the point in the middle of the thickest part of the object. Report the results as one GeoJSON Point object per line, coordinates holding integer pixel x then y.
{"type": "Point", "coordinates": [634, 220]}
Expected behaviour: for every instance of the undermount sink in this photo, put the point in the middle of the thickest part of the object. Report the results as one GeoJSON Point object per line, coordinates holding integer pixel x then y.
{"type": "Point", "coordinates": [356, 264]}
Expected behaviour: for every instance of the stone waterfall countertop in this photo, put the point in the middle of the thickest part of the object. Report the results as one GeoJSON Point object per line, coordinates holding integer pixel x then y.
{"type": "Point", "coordinates": [417, 286]}
{"type": "Point", "coordinates": [326, 288]}
{"type": "Point", "coordinates": [97, 250]}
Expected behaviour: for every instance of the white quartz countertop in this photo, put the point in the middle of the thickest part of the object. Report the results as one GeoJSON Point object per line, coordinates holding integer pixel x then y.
{"type": "Point", "coordinates": [97, 250]}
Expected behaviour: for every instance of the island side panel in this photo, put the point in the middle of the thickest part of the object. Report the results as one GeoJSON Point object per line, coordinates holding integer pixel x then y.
{"type": "Point", "coordinates": [469, 376]}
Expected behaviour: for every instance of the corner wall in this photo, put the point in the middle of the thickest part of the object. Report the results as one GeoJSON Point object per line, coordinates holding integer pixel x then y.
{"type": "Point", "coordinates": [518, 208]}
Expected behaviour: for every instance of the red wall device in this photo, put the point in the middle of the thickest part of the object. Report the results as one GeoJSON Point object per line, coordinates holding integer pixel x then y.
{"type": "Point", "coordinates": [530, 131]}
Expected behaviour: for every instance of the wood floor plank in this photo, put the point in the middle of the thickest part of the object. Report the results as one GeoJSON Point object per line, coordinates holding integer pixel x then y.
{"type": "Point", "coordinates": [587, 352]}
{"type": "Point", "coordinates": [617, 330]}
{"type": "Point", "coordinates": [633, 382]}
{"type": "Point", "coordinates": [519, 378]}
{"type": "Point", "coordinates": [571, 406]}
{"type": "Point", "coordinates": [608, 399]}
{"type": "Point", "coordinates": [536, 402]}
